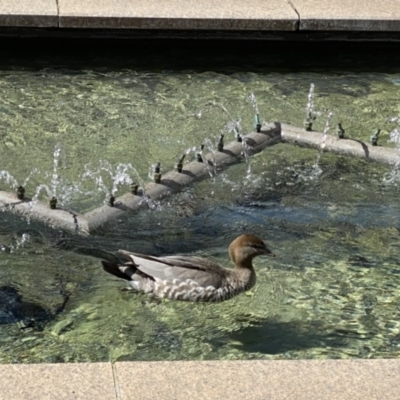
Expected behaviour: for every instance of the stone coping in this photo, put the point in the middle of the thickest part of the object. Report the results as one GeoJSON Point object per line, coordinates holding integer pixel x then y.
{"type": "Point", "coordinates": [232, 15]}
{"type": "Point", "coordinates": [176, 380]}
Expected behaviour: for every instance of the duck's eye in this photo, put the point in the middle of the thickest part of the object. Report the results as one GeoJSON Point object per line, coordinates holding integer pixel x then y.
{"type": "Point", "coordinates": [257, 246]}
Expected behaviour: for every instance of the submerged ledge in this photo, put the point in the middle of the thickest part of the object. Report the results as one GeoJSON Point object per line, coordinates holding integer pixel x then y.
{"type": "Point", "coordinates": [192, 172]}
{"type": "Point", "coordinates": [274, 379]}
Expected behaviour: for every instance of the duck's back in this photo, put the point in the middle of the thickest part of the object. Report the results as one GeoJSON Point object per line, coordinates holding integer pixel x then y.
{"type": "Point", "coordinates": [182, 277]}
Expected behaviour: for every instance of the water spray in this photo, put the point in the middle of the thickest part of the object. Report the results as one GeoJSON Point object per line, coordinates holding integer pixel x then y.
{"type": "Point", "coordinates": [310, 116]}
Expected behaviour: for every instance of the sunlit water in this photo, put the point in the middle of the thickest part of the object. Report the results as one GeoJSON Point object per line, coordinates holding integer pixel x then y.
{"type": "Point", "coordinates": [331, 292]}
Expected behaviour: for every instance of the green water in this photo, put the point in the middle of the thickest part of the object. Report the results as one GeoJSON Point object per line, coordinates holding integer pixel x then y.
{"type": "Point", "coordinates": [332, 290]}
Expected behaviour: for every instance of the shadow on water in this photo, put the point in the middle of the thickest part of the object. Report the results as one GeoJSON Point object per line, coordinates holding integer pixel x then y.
{"type": "Point", "coordinates": [273, 337]}
{"type": "Point", "coordinates": [15, 310]}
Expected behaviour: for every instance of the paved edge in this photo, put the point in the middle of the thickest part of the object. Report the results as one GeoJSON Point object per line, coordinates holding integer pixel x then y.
{"type": "Point", "coordinates": [176, 380]}
{"type": "Point", "coordinates": [57, 381]}
{"type": "Point", "coordinates": [29, 13]}
{"type": "Point", "coordinates": [260, 15]}
{"type": "Point", "coordinates": [348, 15]}
{"type": "Point", "coordinates": [283, 379]}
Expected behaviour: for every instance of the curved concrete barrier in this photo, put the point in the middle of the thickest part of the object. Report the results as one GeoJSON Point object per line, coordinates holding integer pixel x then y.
{"type": "Point", "coordinates": [192, 172]}
{"type": "Point", "coordinates": [347, 146]}
{"type": "Point", "coordinates": [59, 218]}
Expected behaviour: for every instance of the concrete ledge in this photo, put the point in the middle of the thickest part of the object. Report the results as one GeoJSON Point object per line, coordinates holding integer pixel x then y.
{"type": "Point", "coordinates": [26, 13]}
{"type": "Point", "coordinates": [348, 15]}
{"type": "Point", "coordinates": [203, 15]}
{"type": "Point", "coordinates": [171, 14]}
{"type": "Point", "coordinates": [285, 379]}
{"type": "Point", "coordinates": [308, 380]}
{"type": "Point", "coordinates": [57, 381]}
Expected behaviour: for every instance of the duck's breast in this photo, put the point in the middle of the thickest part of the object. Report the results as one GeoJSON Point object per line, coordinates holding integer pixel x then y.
{"type": "Point", "coordinates": [191, 291]}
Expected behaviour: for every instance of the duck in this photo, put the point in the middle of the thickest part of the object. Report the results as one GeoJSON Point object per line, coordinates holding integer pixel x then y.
{"type": "Point", "coordinates": [192, 278]}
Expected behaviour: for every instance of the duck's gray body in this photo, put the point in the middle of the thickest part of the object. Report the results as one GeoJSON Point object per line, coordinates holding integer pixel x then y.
{"type": "Point", "coordinates": [189, 277]}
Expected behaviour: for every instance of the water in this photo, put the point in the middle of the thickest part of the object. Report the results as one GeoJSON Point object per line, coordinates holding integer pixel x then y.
{"type": "Point", "coordinates": [392, 177]}
{"type": "Point", "coordinates": [316, 170]}
{"type": "Point", "coordinates": [332, 290]}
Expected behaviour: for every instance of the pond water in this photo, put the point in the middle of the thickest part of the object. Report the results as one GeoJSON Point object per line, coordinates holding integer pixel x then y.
{"type": "Point", "coordinates": [333, 289]}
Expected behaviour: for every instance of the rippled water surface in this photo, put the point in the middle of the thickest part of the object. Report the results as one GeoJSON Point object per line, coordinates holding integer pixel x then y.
{"type": "Point", "coordinates": [331, 292]}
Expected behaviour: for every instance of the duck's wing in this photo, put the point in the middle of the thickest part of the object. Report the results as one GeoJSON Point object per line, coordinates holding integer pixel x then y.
{"type": "Point", "coordinates": [204, 272]}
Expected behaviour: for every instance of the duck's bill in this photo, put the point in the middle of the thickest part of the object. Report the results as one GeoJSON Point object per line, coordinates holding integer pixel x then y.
{"type": "Point", "coordinates": [269, 253]}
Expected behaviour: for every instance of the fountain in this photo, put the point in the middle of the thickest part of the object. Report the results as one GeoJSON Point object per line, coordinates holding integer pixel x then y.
{"type": "Point", "coordinates": [10, 180]}
{"type": "Point", "coordinates": [257, 121]}
{"type": "Point", "coordinates": [199, 154]}
{"type": "Point", "coordinates": [156, 168]}
{"type": "Point", "coordinates": [179, 165]}
{"type": "Point", "coordinates": [392, 176]}
{"type": "Point", "coordinates": [340, 131]}
{"type": "Point", "coordinates": [173, 181]}
{"type": "Point", "coordinates": [317, 230]}
{"type": "Point", "coordinates": [235, 128]}
{"type": "Point", "coordinates": [221, 143]}
{"type": "Point", "coordinates": [325, 132]}
{"type": "Point", "coordinates": [142, 195]}
{"type": "Point", "coordinates": [374, 137]}
{"type": "Point", "coordinates": [311, 116]}
{"type": "Point", "coordinates": [210, 162]}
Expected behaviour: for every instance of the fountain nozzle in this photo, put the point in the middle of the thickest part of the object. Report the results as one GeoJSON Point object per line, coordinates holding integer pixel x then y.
{"type": "Point", "coordinates": [53, 203]}
{"type": "Point", "coordinates": [374, 137]}
{"type": "Point", "coordinates": [238, 135]}
{"type": "Point", "coordinates": [220, 146]}
{"type": "Point", "coordinates": [157, 173]}
{"type": "Point", "coordinates": [111, 201]}
{"type": "Point", "coordinates": [257, 122]}
{"type": "Point", "coordinates": [199, 157]}
{"type": "Point", "coordinates": [308, 122]}
{"type": "Point", "coordinates": [20, 192]}
{"type": "Point", "coordinates": [179, 165]}
{"type": "Point", "coordinates": [134, 188]}
{"type": "Point", "coordinates": [340, 131]}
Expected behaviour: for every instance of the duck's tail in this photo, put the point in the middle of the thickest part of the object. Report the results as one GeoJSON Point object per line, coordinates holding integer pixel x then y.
{"type": "Point", "coordinates": [114, 269]}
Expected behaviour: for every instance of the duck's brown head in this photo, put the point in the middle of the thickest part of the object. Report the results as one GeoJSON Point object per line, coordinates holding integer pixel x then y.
{"type": "Point", "coordinates": [245, 247]}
